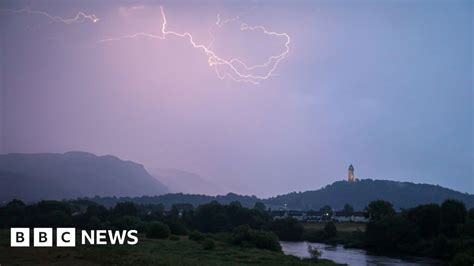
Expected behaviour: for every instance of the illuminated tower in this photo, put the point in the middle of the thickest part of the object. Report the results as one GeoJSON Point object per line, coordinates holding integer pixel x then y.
{"type": "Point", "coordinates": [350, 174]}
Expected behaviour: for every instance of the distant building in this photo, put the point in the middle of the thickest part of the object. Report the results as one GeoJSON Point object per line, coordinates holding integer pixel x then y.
{"type": "Point", "coordinates": [356, 217]}
{"type": "Point", "coordinates": [279, 214]}
{"type": "Point", "coordinates": [298, 215]}
{"type": "Point", "coordinates": [359, 217]}
{"type": "Point", "coordinates": [350, 175]}
{"type": "Point", "coordinates": [318, 216]}
{"type": "Point", "coordinates": [313, 216]}
{"type": "Point", "coordinates": [342, 216]}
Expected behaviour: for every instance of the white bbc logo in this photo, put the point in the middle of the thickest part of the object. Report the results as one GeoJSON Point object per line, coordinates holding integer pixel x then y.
{"type": "Point", "coordinates": [20, 237]}
{"type": "Point", "coordinates": [42, 237]}
{"type": "Point", "coordinates": [66, 237]}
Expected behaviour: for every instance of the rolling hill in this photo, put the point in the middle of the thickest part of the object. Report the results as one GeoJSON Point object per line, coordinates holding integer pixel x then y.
{"type": "Point", "coordinates": [358, 194]}
{"type": "Point", "coordinates": [361, 192]}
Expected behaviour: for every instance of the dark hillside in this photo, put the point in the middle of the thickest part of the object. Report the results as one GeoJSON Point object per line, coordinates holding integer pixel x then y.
{"type": "Point", "coordinates": [33, 177]}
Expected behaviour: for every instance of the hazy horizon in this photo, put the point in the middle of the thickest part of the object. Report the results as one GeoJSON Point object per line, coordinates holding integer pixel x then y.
{"type": "Point", "coordinates": [385, 86]}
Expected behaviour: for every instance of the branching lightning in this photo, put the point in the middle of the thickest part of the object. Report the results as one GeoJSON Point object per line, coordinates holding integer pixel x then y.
{"type": "Point", "coordinates": [80, 16]}
{"type": "Point", "coordinates": [219, 23]}
{"type": "Point", "coordinates": [238, 70]}
{"type": "Point", "coordinates": [233, 68]}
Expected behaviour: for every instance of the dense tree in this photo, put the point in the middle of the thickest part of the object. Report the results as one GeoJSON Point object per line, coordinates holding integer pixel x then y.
{"type": "Point", "coordinates": [441, 248]}
{"type": "Point", "coordinates": [348, 208]}
{"type": "Point", "coordinates": [235, 204]}
{"type": "Point", "coordinates": [379, 209]}
{"type": "Point", "coordinates": [126, 222]}
{"type": "Point", "coordinates": [177, 226]}
{"type": "Point", "coordinates": [463, 259]}
{"type": "Point", "coordinates": [50, 213]}
{"type": "Point", "coordinates": [98, 211]}
{"type": "Point", "coordinates": [471, 213]}
{"type": "Point", "coordinates": [259, 206]}
{"type": "Point", "coordinates": [453, 212]}
{"type": "Point", "coordinates": [427, 219]}
{"type": "Point", "coordinates": [214, 217]}
{"type": "Point", "coordinates": [244, 235]}
{"type": "Point", "coordinates": [287, 229]}
{"type": "Point", "coordinates": [182, 207]}
{"type": "Point", "coordinates": [125, 208]}
{"type": "Point", "coordinates": [330, 230]}
{"type": "Point", "coordinates": [13, 214]}
{"type": "Point", "coordinates": [158, 230]}
{"type": "Point", "coordinates": [391, 233]}
{"type": "Point", "coordinates": [327, 213]}
{"type": "Point", "coordinates": [53, 205]}
{"type": "Point", "coordinates": [15, 204]}
{"type": "Point", "coordinates": [210, 218]}
{"type": "Point", "coordinates": [447, 230]}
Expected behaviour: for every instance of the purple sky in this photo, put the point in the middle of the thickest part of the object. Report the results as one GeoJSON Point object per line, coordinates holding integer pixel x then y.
{"type": "Point", "coordinates": [384, 85]}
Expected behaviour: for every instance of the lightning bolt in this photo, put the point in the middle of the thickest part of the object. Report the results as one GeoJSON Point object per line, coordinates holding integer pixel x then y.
{"type": "Point", "coordinates": [235, 65]}
{"type": "Point", "coordinates": [80, 16]}
{"type": "Point", "coordinates": [238, 69]}
{"type": "Point", "coordinates": [219, 23]}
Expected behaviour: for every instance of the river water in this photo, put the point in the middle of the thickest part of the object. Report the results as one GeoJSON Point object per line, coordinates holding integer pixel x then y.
{"type": "Point", "coordinates": [350, 256]}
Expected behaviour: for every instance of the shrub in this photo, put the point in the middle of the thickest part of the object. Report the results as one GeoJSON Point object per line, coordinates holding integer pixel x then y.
{"type": "Point", "coordinates": [313, 235]}
{"type": "Point", "coordinates": [142, 227]}
{"type": "Point", "coordinates": [196, 236]}
{"type": "Point", "coordinates": [287, 229]}
{"type": "Point", "coordinates": [314, 253]}
{"type": "Point", "coordinates": [392, 234]}
{"type": "Point", "coordinates": [241, 234]}
{"type": "Point", "coordinates": [174, 237]}
{"type": "Point", "coordinates": [462, 259]}
{"type": "Point", "coordinates": [208, 244]}
{"type": "Point", "coordinates": [443, 248]}
{"type": "Point", "coordinates": [244, 236]}
{"type": "Point", "coordinates": [158, 230]}
{"type": "Point", "coordinates": [265, 240]}
{"type": "Point", "coordinates": [177, 228]}
{"type": "Point", "coordinates": [330, 230]}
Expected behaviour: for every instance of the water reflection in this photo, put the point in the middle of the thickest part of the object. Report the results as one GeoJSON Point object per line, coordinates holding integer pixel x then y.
{"type": "Point", "coordinates": [349, 256]}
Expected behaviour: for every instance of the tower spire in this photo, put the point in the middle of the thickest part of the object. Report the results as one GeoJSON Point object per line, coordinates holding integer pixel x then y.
{"type": "Point", "coordinates": [350, 175]}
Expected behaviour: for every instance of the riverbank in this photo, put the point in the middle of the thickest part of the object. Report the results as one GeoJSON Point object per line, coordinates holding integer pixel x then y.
{"type": "Point", "coordinates": [347, 227]}
{"type": "Point", "coordinates": [348, 234]}
{"type": "Point", "coordinates": [351, 256]}
{"type": "Point", "coordinates": [353, 237]}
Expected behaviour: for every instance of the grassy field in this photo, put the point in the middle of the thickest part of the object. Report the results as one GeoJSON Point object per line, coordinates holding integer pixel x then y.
{"type": "Point", "coordinates": [146, 252]}
{"type": "Point", "coordinates": [341, 227]}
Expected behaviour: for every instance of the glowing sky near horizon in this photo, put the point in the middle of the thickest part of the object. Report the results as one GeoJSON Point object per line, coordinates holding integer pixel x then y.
{"type": "Point", "coordinates": [384, 85]}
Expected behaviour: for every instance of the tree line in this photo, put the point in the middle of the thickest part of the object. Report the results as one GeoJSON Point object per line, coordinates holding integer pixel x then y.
{"type": "Point", "coordinates": [444, 231]}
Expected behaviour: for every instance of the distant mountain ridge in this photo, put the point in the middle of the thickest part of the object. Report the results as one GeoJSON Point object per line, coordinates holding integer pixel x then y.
{"type": "Point", "coordinates": [358, 194]}
{"type": "Point", "coordinates": [179, 181]}
{"type": "Point", "coordinates": [32, 177]}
